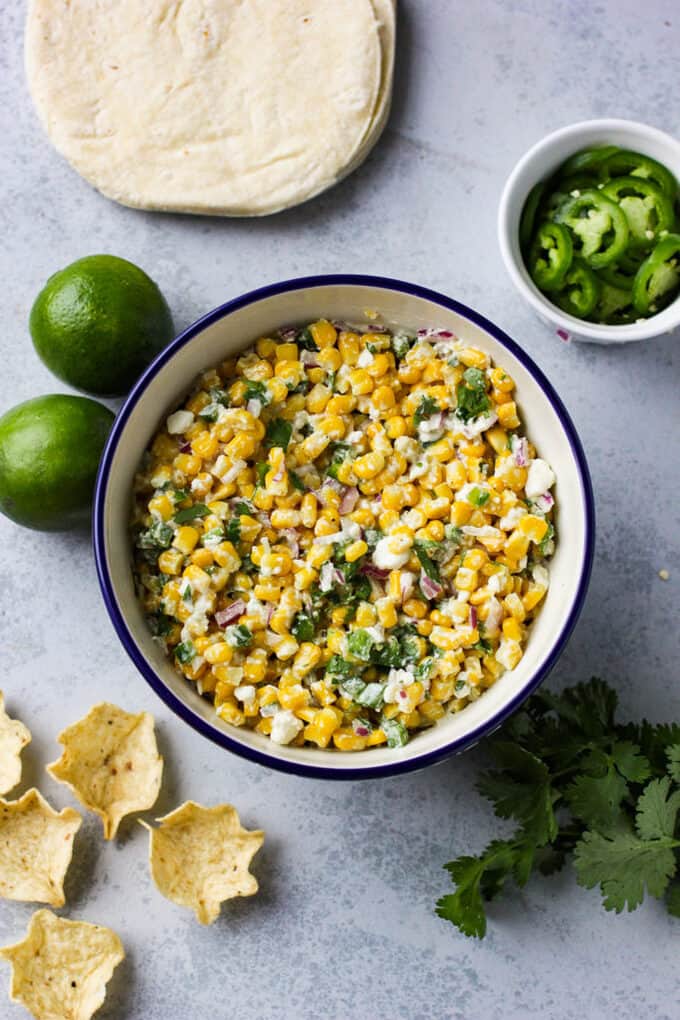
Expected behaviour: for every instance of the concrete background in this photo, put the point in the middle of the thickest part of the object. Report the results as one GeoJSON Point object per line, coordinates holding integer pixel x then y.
{"type": "Point", "coordinates": [344, 925]}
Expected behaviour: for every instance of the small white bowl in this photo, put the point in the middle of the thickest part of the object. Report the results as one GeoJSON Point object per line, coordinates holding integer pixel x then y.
{"type": "Point", "coordinates": [539, 163]}
{"type": "Point", "coordinates": [239, 323]}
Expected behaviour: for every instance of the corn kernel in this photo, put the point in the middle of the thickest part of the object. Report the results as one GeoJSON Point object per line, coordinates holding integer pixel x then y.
{"type": "Point", "coordinates": [323, 333]}
{"type": "Point", "coordinates": [185, 539]}
{"type": "Point", "coordinates": [535, 528]}
{"type": "Point", "coordinates": [355, 551]}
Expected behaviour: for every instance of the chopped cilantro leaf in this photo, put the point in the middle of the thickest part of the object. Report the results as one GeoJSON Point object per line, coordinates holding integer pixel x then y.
{"type": "Point", "coordinates": [233, 530]}
{"type": "Point", "coordinates": [161, 624]}
{"type": "Point", "coordinates": [256, 390]}
{"type": "Point", "coordinates": [185, 652]}
{"type": "Point", "coordinates": [210, 412]}
{"type": "Point", "coordinates": [472, 399]}
{"type": "Point", "coordinates": [401, 344]}
{"type": "Point", "coordinates": [303, 628]}
{"type": "Point", "coordinates": [453, 534]}
{"type": "Point", "coordinates": [239, 635]}
{"type": "Point", "coordinates": [548, 537]}
{"type": "Point", "coordinates": [278, 433]}
{"type": "Point", "coordinates": [305, 340]}
{"type": "Point", "coordinates": [191, 513]}
{"type": "Point", "coordinates": [426, 408]}
{"type": "Point", "coordinates": [262, 469]}
{"type": "Point", "coordinates": [154, 540]}
{"type": "Point", "coordinates": [426, 561]}
{"type": "Point", "coordinates": [296, 481]}
{"type": "Point", "coordinates": [219, 396]}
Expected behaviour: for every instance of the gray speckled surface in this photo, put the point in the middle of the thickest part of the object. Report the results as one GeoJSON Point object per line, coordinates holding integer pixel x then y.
{"type": "Point", "coordinates": [344, 926]}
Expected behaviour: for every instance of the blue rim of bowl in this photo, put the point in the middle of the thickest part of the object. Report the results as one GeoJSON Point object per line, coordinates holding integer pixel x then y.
{"type": "Point", "coordinates": [182, 710]}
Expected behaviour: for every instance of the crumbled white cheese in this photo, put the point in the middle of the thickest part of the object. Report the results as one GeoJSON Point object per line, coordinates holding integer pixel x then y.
{"type": "Point", "coordinates": [407, 447]}
{"type": "Point", "coordinates": [366, 358]}
{"type": "Point", "coordinates": [512, 518]}
{"type": "Point", "coordinates": [246, 693]}
{"type": "Point", "coordinates": [539, 479]}
{"type": "Point", "coordinates": [463, 494]}
{"type": "Point", "coordinates": [397, 680]}
{"type": "Point", "coordinates": [285, 727]}
{"type": "Point", "coordinates": [471, 429]}
{"type": "Point", "coordinates": [384, 557]}
{"type": "Point", "coordinates": [431, 429]}
{"type": "Point", "coordinates": [420, 468]}
{"type": "Point", "coordinates": [179, 422]}
{"type": "Point", "coordinates": [326, 577]}
{"type": "Point", "coordinates": [376, 633]}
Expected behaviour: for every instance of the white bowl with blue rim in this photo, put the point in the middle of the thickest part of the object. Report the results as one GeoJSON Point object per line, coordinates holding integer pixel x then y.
{"type": "Point", "coordinates": [237, 324]}
{"type": "Point", "coordinates": [539, 164]}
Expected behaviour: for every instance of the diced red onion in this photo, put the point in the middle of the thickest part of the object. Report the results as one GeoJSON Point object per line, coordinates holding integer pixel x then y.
{"type": "Point", "coordinates": [280, 471]}
{"type": "Point", "coordinates": [520, 452]}
{"type": "Point", "coordinates": [271, 609]}
{"type": "Point", "coordinates": [308, 358]}
{"type": "Point", "coordinates": [406, 582]}
{"type": "Point", "coordinates": [338, 576]}
{"type": "Point", "coordinates": [287, 333]}
{"type": "Point", "coordinates": [440, 334]}
{"type": "Point", "coordinates": [231, 613]}
{"type": "Point", "coordinates": [545, 502]}
{"type": "Point", "coordinates": [349, 500]}
{"type": "Point", "coordinates": [473, 617]}
{"type": "Point", "coordinates": [361, 731]}
{"type": "Point", "coordinates": [184, 447]}
{"type": "Point", "coordinates": [430, 588]}
{"type": "Point", "coordinates": [370, 570]}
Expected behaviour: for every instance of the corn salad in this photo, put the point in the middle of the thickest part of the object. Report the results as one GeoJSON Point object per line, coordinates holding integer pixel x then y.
{"type": "Point", "coordinates": [342, 534]}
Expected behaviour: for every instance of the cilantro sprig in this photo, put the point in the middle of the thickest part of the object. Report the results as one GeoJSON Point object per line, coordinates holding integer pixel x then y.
{"type": "Point", "coordinates": [471, 395]}
{"type": "Point", "coordinates": [579, 785]}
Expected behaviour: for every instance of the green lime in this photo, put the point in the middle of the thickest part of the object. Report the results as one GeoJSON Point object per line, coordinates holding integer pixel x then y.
{"type": "Point", "coordinates": [98, 323]}
{"type": "Point", "coordinates": [49, 454]}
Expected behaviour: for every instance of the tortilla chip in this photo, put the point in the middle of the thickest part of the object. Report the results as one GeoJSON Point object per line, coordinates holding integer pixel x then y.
{"type": "Point", "coordinates": [199, 857]}
{"type": "Point", "coordinates": [36, 845]}
{"type": "Point", "coordinates": [61, 968]}
{"type": "Point", "coordinates": [111, 763]}
{"type": "Point", "coordinates": [13, 738]}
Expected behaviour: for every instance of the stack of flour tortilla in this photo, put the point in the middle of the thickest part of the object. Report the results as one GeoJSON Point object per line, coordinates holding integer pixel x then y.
{"type": "Point", "coordinates": [227, 107]}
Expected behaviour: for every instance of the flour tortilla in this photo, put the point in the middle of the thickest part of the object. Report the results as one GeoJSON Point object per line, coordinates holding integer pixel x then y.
{"type": "Point", "coordinates": [385, 12]}
{"type": "Point", "coordinates": [209, 106]}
